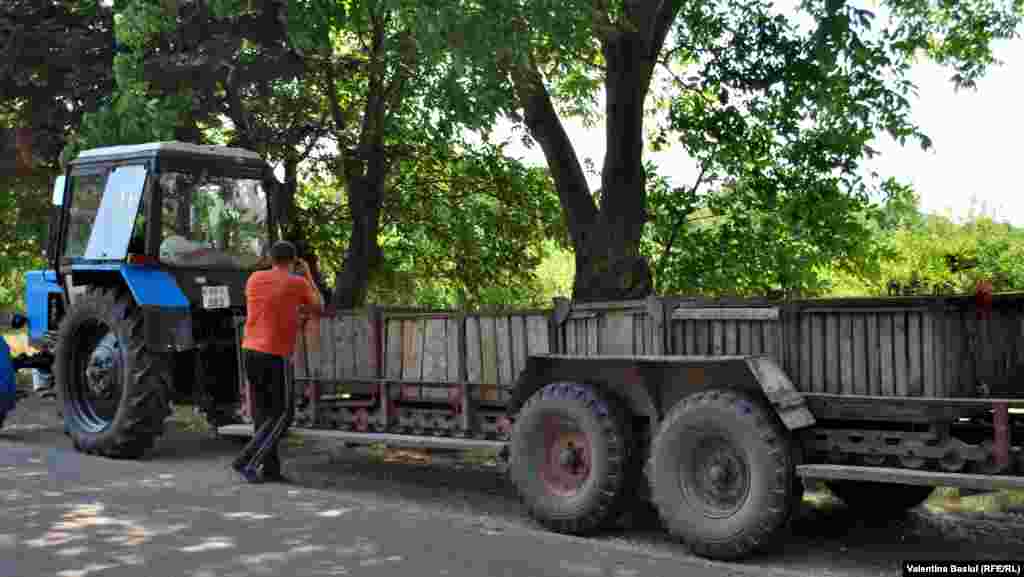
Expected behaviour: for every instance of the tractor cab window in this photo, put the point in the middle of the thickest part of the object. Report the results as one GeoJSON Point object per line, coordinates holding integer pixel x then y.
{"type": "Point", "coordinates": [212, 221]}
{"type": "Point", "coordinates": [86, 194]}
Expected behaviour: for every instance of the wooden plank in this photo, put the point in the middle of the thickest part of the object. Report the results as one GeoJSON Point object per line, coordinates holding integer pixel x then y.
{"type": "Point", "coordinates": [886, 349]}
{"type": "Point", "coordinates": [503, 350]}
{"type": "Point", "coordinates": [640, 329]}
{"type": "Point", "coordinates": [353, 345]}
{"type": "Point", "coordinates": [927, 355]}
{"type": "Point", "coordinates": [593, 328]}
{"type": "Point", "coordinates": [622, 334]}
{"type": "Point", "coordinates": [861, 358]}
{"type": "Point", "coordinates": [806, 378]}
{"type": "Point", "coordinates": [846, 354]}
{"type": "Point", "coordinates": [717, 338]}
{"type": "Point", "coordinates": [832, 354]}
{"type": "Point", "coordinates": [874, 355]}
{"type": "Point", "coordinates": [727, 313]}
{"type": "Point", "coordinates": [410, 350]}
{"type": "Point", "coordinates": [730, 328]}
{"type": "Point", "coordinates": [950, 355]}
{"type": "Point", "coordinates": [900, 358]}
{"type": "Point", "coordinates": [393, 354]}
{"type": "Point", "coordinates": [968, 327]}
{"type": "Point", "coordinates": [770, 340]}
{"type": "Point", "coordinates": [744, 330]}
{"type": "Point", "coordinates": [702, 338]}
{"type": "Point", "coordinates": [453, 336]}
{"type": "Point", "coordinates": [517, 324]}
{"type": "Point", "coordinates": [488, 351]}
{"type": "Point", "coordinates": [914, 355]}
{"type": "Point", "coordinates": [474, 356]}
{"type": "Point", "coordinates": [328, 348]}
{"type": "Point", "coordinates": [435, 350]}
{"type": "Point", "coordinates": [570, 337]}
{"type": "Point", "coordinates": [537, 331]}
{"type": "Point", "coordinates": [818, 349]}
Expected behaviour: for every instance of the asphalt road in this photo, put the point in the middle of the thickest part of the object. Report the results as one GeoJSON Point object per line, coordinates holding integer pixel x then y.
{"type": "Point", "coordinates": [71, 515]}
{"type": "Point", "coordinates": [181, 512]}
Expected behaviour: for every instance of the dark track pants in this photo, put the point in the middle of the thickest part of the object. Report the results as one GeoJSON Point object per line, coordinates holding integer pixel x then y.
{"type": "Point", "coordinates": [266, 374]}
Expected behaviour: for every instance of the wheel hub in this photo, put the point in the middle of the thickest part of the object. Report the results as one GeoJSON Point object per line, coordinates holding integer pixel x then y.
{"type": "Point", "coordinates": [567, 460]}
{"type": "Point", "coordinates": [99, 373]}
{"type": "Point", "coordinates": [719, 477]}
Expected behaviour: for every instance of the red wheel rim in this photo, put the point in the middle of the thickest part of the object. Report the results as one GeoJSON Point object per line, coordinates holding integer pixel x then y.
{"type": "Point", "coordinates": [567, 458]}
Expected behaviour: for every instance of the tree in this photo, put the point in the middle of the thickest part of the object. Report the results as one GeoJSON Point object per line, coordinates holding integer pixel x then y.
{"type": "Point", "coordinates": [57, 66]}
{"type": "Point", "coordinates": [732, 54]}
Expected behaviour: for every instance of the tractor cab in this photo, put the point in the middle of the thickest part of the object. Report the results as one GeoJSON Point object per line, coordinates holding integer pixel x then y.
{"type": "Point", "coordinates": [180, 225]}
{"type": "Point", "coordinates": [149, 250]}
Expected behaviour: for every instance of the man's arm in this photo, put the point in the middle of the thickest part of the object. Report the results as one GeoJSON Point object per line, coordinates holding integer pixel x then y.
{"type": "Point", "coordinates": [312, 303]}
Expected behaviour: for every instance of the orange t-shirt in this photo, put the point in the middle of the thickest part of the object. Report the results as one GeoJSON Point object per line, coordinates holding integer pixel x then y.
{"type": "Point", "coordinates": [272, 300]}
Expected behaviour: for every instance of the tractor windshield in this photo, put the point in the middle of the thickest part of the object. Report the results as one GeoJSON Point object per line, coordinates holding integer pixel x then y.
{"type": "Point", "coordinates": [212, 221]}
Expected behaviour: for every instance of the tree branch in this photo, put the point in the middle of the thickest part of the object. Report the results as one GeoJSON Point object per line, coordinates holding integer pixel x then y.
{"type": "Point", "coordinates": [679, 222]}
{"type": "Point", "coordinates": [546, 128]}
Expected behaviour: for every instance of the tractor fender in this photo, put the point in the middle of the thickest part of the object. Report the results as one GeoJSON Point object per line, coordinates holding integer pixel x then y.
{"type": "Point", "coordinates": [153, 287]}
{"type": "Point", "coordinates": [167, 313]}
{"type": "Point", "coordinates": [787, 401]}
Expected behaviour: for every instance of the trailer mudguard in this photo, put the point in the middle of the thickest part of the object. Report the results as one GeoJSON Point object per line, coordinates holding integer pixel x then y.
{"type": "Point", "coordinates": [781, 393]}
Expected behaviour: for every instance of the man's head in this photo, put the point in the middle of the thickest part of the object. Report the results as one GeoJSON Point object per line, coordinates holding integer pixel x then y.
{"type": "Point", "coordinates": [283, 253]}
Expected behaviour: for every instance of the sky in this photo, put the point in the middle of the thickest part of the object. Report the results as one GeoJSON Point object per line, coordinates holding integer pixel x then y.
{"type": "Point", "coordinates": [976, 138]}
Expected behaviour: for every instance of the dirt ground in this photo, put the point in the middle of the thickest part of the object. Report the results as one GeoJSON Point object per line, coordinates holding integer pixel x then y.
{"type": "Point", "coordinates": [824, 538]}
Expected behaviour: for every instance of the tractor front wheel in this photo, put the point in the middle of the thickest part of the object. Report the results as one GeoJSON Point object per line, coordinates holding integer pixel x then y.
{"type": "Point", "coordinates": [113, 390]}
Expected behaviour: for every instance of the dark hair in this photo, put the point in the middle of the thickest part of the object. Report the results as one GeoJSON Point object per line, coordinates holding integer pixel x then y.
{"type": "Point", "coordinates": [283, 252]}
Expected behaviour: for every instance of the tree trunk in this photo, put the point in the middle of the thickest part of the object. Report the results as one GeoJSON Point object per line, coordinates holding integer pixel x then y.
{"type": "Point", "coordinates": [609, 264]}
{"type": "Point", "coordinates": [364, 255]}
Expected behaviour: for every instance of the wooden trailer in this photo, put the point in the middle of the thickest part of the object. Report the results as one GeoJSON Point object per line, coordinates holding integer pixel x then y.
{"type": "Point", "coordinates": [713, 409]}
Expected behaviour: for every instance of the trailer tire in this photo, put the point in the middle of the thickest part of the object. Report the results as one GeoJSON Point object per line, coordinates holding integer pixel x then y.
{"type": "Point", "coordinates": [879, 500]}
{"type": "Point", "coordinates": [568, 488]}
{"type": "Point", "coordinates": [735, 497]}
{"type": "Point", "coordinates": [134, 381]}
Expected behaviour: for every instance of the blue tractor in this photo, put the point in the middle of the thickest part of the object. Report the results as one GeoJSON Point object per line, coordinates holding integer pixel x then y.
{"type": "Point", "coordinates": [149, 250]}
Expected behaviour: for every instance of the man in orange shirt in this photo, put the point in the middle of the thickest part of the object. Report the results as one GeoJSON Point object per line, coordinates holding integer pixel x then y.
{"type": "Point", "coordinates": [275, 300]}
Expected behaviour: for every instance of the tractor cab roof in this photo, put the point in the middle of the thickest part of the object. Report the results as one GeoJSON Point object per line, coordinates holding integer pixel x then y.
{"type": "Point", "coordinates": [176, 154]}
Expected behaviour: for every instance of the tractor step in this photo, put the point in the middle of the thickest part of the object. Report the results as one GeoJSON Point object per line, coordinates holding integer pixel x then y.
{"type": "Point", "coordinates": [909, 477]}
{"type": "Point", "coordinates": [391, 439]}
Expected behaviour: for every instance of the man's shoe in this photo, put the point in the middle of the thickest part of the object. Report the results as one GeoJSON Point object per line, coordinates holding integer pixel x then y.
{"type": "Point", "coordinates": [249, 475]}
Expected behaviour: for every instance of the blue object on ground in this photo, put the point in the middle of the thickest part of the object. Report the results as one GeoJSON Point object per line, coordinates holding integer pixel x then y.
{"type": "Point", "coordinates": [8, 386]}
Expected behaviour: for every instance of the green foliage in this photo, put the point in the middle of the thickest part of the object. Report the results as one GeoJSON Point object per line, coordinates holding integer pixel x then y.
{"type": "Point", "coordinates": [465, 228]}
{"type": "Point", "coordinates": [780, 120]}
{"type": "Point", "coordinates": [24, 202]}
{"type": "Point", "coordinates": [916, 255]}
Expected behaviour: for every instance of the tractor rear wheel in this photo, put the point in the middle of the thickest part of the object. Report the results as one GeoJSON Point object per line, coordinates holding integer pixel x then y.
{"type": "Point", "coordinates": [112, 389]}
{"type": "Point", "coordinates": [570, 446]}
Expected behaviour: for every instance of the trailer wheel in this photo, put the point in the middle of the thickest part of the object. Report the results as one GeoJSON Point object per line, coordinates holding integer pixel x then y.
{"type": "Point", "coordinates": [721, 473]}
{"type": "Point", "coordinates": [887, 500]}
{"type": "Point", "coordinates": [113, 391]}
{"type": "Point", "coordinates": [567, 457]}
